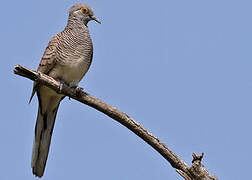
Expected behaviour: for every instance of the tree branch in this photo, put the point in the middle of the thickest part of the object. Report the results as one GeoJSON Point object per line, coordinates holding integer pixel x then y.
{"type": "Point", "coordinates": [195, 172]}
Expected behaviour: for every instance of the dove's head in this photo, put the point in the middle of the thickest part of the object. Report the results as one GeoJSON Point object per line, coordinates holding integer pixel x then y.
{"type": "Point", "coordinates": [83, 12]}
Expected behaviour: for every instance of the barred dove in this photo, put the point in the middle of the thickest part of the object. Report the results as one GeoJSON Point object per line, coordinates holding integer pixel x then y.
{"type": "Point", "coordinates": [67, 58]}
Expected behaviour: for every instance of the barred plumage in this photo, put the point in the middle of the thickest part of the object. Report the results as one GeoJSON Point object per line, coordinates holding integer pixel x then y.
{"type": "Point", "coordinates": [67, 58]}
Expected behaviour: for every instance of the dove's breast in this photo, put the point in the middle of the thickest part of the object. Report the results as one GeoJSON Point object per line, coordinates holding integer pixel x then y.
{"type": "Point", "coordinates": [74, 58]}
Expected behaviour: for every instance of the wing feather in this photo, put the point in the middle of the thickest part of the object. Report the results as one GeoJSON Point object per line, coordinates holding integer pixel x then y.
{"type": "Point", "coordinates": [47, 62]}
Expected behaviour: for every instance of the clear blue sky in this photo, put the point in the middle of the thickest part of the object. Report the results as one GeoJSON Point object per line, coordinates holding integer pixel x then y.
{"type": "Point", "coordinates": [180, 68]}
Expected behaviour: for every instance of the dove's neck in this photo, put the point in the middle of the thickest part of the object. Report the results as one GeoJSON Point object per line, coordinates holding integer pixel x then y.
{"type": "Point", "coordinates": [76, 23]}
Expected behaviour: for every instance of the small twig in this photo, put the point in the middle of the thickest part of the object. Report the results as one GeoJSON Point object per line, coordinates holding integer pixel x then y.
{"type": "Point", "coordinates": [197, 157]}
{"type": "Point", "coordinates": [78, 94]}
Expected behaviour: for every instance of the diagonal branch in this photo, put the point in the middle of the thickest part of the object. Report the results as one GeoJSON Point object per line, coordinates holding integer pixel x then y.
{"type": "Point", "coordinates": [195, 172]}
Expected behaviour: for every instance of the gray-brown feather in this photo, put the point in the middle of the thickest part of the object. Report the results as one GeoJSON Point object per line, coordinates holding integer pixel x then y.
{"type": "Point", "coordinates": [42, 140]}
{"type": "Point", "coordinates": [67, 58]}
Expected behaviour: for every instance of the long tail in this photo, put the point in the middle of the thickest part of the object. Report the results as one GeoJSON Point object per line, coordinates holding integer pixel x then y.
{"type": "Point", "coordinates": [43, 133]}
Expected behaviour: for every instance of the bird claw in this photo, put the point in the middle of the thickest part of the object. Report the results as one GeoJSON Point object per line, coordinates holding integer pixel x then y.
{"type": "Point", "coordinates": [79, 88]}
{"type": "Point", "coordinates": [60, 87]}
{"type": "Point", "coordinates": [39, 76]}
{"type": "Point", "coordinates": [79, 91]}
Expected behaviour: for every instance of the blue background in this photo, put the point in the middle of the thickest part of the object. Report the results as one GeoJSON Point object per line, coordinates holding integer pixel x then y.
{"type": "Point", "coordinates": [180, 68]}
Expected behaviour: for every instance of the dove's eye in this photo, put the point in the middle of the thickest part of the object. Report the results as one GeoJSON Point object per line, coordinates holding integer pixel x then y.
{"type": "Point", "coordinates": [84, 10]}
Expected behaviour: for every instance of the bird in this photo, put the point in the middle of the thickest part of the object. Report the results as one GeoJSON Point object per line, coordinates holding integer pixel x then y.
{"type": "Point", "coordinates": [67, 59]}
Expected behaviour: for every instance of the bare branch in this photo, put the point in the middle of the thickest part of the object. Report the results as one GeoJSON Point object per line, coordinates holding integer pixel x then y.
{"type": "Point", "coordinates": [184, 175]}
{"type": "Point", "coordinates": [195, 172]}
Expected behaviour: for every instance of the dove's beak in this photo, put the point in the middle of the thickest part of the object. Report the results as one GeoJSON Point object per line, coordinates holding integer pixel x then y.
{"type": "Point", "coordinates": [95, 19]}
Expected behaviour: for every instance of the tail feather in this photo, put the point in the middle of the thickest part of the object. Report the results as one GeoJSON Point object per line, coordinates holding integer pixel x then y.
{"type": "Point", "coordinates": [43, 133]}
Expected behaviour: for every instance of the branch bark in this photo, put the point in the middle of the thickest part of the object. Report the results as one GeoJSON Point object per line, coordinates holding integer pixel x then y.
{"type": "Point", "coordinates": [194, 172]}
